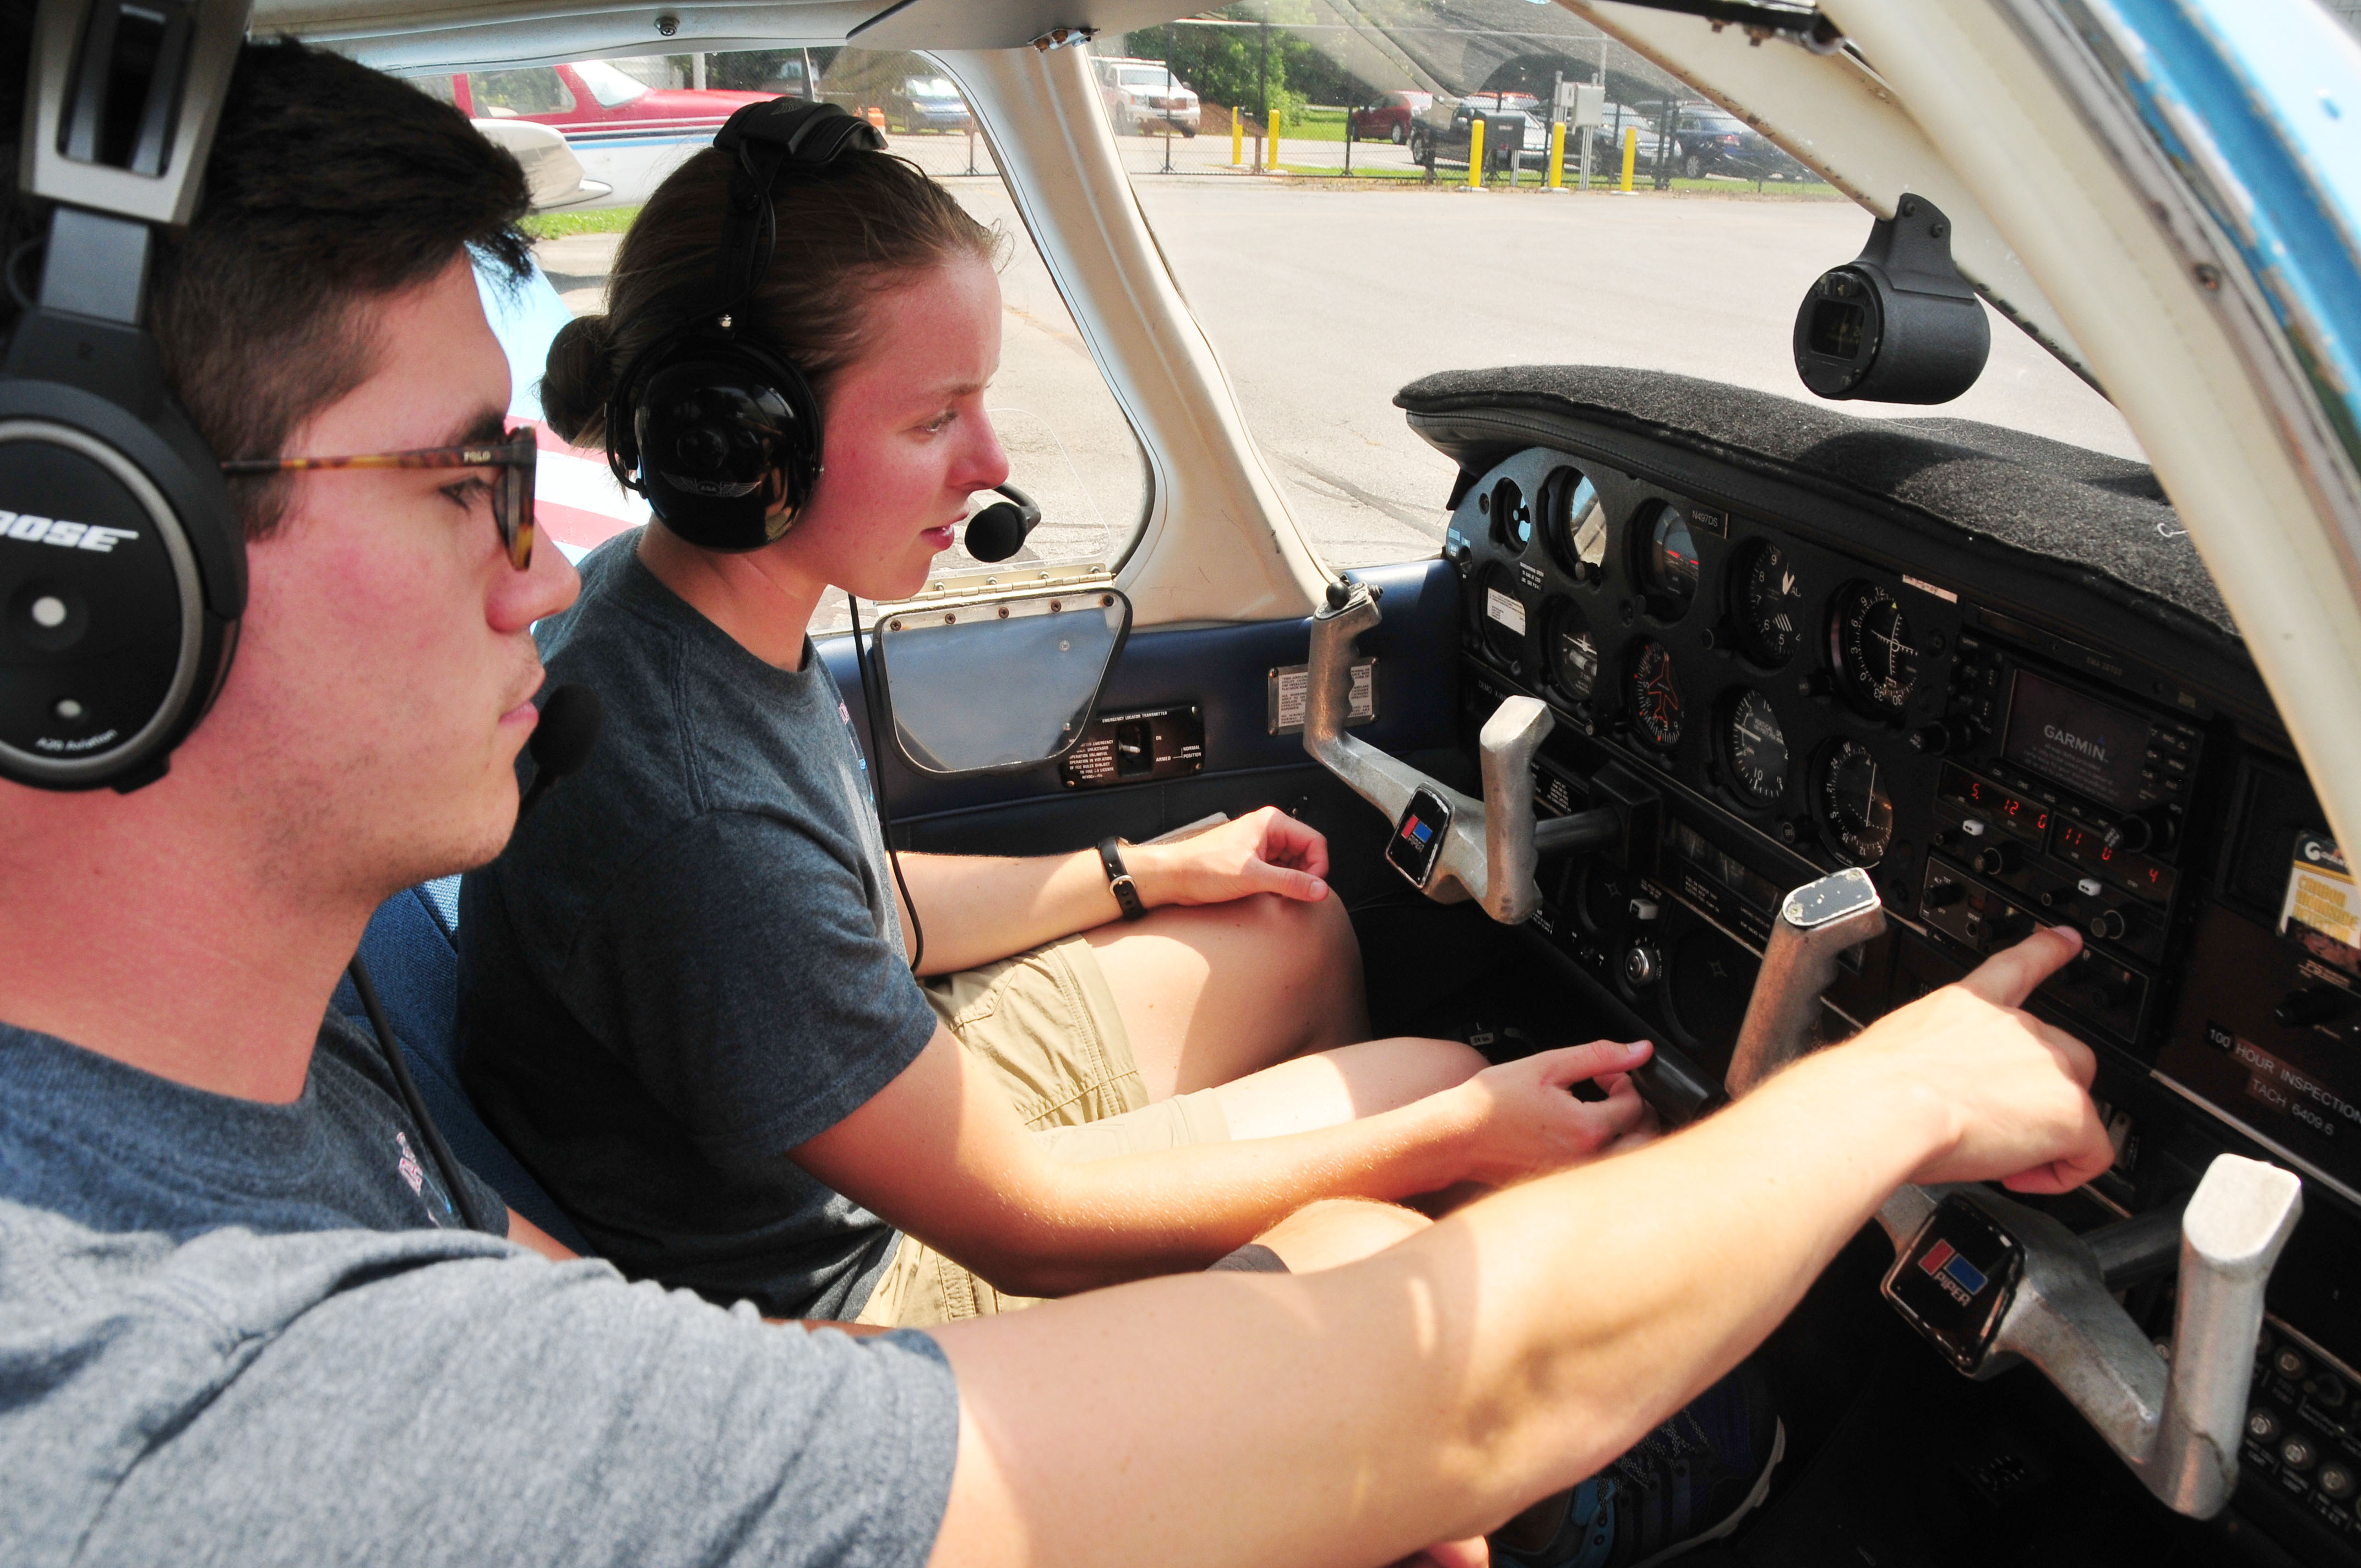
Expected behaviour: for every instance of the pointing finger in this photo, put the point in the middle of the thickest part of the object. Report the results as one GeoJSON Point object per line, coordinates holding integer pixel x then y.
{"type": "Point", "coordinates": [2009, 976]}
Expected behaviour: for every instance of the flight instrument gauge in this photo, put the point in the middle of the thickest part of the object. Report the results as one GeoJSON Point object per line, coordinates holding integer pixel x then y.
{"type": "Point", "coordinates": [1874, 650]}
{"type": "Point", "coordinates": [1655, 699]}
{"type": "Point", "coordinates": [1853, 799]}
{"type": "Point", "coordinates": [1575, 522]}
{"type": "Point", "coordinates": [1756, 748]}
{"type": "Point", "coordinates": [1770, 612]}
{"type": "Point", "coordinates": [1572, 651]}
{"type": "Point", "coordinates": [1668, 564]}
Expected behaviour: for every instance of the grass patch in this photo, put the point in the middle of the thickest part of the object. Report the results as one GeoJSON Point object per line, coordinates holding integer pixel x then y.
{"type": "Point", "coordinates": [599, 220]}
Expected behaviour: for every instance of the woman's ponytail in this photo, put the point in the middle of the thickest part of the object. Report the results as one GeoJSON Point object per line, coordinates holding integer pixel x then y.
{"type": "Point", "coordinates": [577, 381]}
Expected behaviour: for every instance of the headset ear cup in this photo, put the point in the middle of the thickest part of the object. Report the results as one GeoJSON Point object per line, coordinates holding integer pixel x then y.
{"type": "Point", "coordinates": [724, 439]}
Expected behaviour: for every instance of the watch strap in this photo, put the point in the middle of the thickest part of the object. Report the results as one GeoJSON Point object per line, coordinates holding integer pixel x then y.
{"type": "Point", "coordinates": [1126, 892]}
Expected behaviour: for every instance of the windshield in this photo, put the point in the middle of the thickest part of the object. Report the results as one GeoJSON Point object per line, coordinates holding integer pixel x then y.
{"type": "Point", "coordinates": [1139, 77]}
{"type": "Point", "coordinates": [1328, 273]}
{"type": "Point", "coordinates": [609, 85]}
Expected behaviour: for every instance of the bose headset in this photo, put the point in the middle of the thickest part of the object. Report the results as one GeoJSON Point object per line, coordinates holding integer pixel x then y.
{"type": "Point", "coordinates": [122, 565]}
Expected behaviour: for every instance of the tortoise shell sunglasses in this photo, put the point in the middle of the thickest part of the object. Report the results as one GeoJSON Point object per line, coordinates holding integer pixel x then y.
{"type": "Point", "coordinates": [512, 492]}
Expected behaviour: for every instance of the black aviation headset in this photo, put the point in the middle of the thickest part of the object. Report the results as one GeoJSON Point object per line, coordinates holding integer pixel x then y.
{"type": "Point", "coordinates": [722, 436]}
{"type": "Point", "coordinates": [122, 565]}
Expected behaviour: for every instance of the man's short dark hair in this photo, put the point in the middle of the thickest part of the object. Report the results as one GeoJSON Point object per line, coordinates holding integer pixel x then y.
{"type": "Point", "coordinates": [330, 185]}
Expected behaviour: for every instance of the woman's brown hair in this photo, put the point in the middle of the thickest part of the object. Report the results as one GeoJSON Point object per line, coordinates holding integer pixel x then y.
{"type": "Point", "coordinates": [861, 225]}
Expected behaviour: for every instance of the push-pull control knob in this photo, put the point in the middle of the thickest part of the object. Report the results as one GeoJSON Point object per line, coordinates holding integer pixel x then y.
{"type": "Point", "coordinates": [1991, 1282]}
{"type": "Point", "coordinates": [1995, 858]}
{"type": "Point", "coordinates": [2312, 1004]}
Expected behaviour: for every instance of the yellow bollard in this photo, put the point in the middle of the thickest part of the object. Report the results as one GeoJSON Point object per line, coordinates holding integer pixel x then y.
{"type": "Point", "coordinates": [1237, 141]}
{"type": "Point", "coordinates": [1557, 155]}
{"type": "Point", "coordinates": [1278, 123]}
{"type": "Point", "coordinates": [1474, 154]}
{"type": "Point", "coordinates": [1631, 155]}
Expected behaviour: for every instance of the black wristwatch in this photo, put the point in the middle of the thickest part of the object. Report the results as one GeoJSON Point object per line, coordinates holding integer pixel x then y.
{"type": "Point", "coordinates": [1126, 892]}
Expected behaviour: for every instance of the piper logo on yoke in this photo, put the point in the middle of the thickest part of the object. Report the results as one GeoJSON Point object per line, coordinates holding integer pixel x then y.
{"type": "Point", "coordinates": [64, 535]}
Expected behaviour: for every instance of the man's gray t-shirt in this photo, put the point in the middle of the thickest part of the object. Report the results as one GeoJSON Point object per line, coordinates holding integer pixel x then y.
{"type": "Point", "coordinates": [688, 961]}
{"type": "Point", "coordinates": [230, 1333]}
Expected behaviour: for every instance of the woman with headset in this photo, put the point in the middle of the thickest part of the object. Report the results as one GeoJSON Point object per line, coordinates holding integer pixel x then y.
{"type": "Point", "coordinates": [688, 1002]}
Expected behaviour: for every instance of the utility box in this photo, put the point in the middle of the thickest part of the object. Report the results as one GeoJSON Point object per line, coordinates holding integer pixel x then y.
{"type": "Point", "coordinates": [1582, 102]}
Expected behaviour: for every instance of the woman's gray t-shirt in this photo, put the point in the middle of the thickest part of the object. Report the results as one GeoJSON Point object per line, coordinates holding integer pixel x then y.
{"type": "Point", "coordinates": [688, 959]}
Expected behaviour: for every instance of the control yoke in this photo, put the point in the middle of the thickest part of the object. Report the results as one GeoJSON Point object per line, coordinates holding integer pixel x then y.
{"type": "Point", "coordinates": [1491, 846]}
{"type": "Point", "coordinates": [1991, 1282]}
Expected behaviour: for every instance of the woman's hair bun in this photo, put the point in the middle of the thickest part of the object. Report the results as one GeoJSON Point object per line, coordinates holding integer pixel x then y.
{"type": "Point", "coordinates": [578, 380]}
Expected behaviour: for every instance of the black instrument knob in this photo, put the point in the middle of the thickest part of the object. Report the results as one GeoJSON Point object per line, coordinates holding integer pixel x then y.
{"type": "Point", "coordinates": [1949, 735]}
{"type": "Point", "coordinates": [1642, 965]}
{"type": "Point", "coordinates": [2312, 1004]}
{"type": "Point", "coordinates": [1942, 896]}
{"type": "Point", "coordinates": [2109, 926]}
{"type": "Point", "coordinates": [2133, 833]}
{"type": "Point", "coordinates": [1994, 859]}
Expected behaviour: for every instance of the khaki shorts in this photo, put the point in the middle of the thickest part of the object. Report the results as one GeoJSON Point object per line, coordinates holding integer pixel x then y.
{"type": "Point", "coordinates": [1045, 1025]}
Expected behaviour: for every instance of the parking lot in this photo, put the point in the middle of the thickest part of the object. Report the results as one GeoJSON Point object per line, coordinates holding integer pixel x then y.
{"type": "Point", "coordinates": [1322, 300]}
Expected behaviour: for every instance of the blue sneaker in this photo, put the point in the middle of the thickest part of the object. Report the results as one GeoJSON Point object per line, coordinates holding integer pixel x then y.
{"type": "Point", "coordinates": [1690, 1480]}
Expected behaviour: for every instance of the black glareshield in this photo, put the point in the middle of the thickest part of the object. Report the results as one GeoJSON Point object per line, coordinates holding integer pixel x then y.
{"type": "Point", "coordinates": [1897, 324]}
{"type": "Point", "coordinates": [1000, 530]}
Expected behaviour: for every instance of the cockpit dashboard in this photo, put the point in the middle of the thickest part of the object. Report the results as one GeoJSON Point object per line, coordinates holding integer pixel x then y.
{"type": "Point", "coordinates": [1983, 671]}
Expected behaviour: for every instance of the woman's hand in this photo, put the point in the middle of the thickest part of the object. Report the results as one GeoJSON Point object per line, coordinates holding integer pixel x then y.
{"type": "Point", "coordinates": [1263, 851]}
{"type": "Point", "coordinates": [1527, 1122]}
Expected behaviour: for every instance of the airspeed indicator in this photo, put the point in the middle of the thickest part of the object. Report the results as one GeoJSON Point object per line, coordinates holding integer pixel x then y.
{"type": "Point", "coordinates": [1771, 609]}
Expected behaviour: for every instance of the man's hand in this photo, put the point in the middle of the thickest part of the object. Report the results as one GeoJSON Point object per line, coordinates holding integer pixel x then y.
{"type": "Point", "coordinates": [2014, 1090]}
{"type": "Point", "coordinates": [1525, 1121]}
{"type": "Point", "coordinates": [1263, 851]}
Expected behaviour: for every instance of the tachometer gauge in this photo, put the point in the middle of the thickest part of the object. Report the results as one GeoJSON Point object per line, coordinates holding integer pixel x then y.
{"type": "Point", "coordinates": [1573, 653]}
{"type": "Point", "coordinates": [1575, 522]}
{"type": "Point", "coordinates": [1755, 747]}
{"type": "Point", "coordinates": [1874, 650]}
{"type": "Point", "coordinates": [1853, 801]}
{"type": "Point", "coordinates": [1769, 610]}
{"type": "Point", "coordinates": [1655, 700]}
{"type": "Point", "coordinates": [1668, 568]}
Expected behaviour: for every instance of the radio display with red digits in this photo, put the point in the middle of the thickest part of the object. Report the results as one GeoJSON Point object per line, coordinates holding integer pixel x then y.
{"type": "Point", "coordinates": [2026, 818]}
{"type": "Point", "coordinates": [2137, 873]}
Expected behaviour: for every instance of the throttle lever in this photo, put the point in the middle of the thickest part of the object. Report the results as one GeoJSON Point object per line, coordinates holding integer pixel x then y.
{"type": "Point", "coordinates": [1991, 1282]}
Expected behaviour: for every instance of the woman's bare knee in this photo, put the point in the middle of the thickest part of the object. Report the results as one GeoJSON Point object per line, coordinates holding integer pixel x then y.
{"type": "Point", "coordinates": [1338, 1231]}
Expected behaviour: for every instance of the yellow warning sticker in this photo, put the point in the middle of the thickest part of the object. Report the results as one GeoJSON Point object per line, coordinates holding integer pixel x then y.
{"type": "Point", "coordinates": [2321, 910]}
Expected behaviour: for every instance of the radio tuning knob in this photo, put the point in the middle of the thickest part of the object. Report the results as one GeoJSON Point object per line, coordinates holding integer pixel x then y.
{"type": "Point", "coordinates": [2109, 926]}
{"type": "Point", "coordinates": [1947, 735]}
{"type": "Point", "coordinates": [1995, 859]}
{"type": "Point", "coordinates": [1642, 965]}
{"type": "Point", "coordinates": [2133, 833]}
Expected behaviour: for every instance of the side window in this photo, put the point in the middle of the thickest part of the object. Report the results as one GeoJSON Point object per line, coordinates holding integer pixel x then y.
{"type": "Point", "coordinates": [437, 88]}
{"type": "Point", "coordinates": [501, 93]}
{"type": "Point", "coordinates": [1070, 445]}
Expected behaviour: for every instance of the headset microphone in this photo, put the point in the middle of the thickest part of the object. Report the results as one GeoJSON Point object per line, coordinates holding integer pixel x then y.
{"type": "Point", "coordinates": [563, 741]}
{"type": "Point", "coordinates": [999, 531]}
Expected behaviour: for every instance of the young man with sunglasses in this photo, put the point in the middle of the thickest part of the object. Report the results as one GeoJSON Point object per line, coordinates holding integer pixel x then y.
{"type": "Point", "coordinates": [237, 1320]}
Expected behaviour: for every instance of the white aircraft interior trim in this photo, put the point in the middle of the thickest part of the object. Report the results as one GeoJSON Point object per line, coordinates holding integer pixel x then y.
{"type": "Point", "coordinates": [1834, 115]}
{"type": "Point", "coordinates": [1973, 76]}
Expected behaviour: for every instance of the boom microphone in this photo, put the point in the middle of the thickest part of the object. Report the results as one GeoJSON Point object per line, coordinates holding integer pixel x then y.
{"type": "Point", "coordinates": [998, 531]}
{"type": "Point", "coordinates": [563, 741]}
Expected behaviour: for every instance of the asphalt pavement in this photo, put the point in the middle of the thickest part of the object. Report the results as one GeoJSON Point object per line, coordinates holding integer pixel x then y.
{"type": "Point", "coordinates": [1322, 298]}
